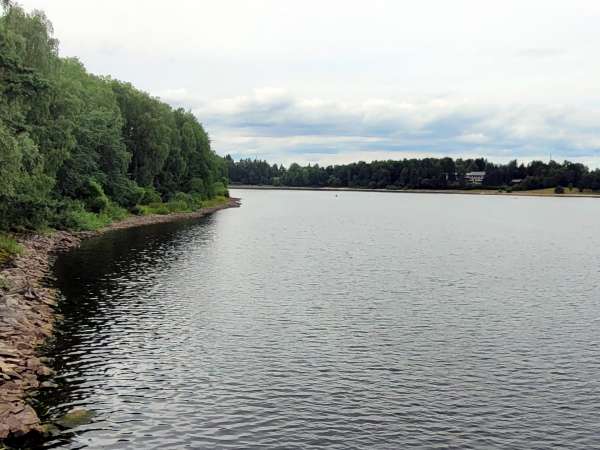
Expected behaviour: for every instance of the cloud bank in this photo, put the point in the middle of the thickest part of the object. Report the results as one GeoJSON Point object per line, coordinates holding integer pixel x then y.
{"type": "Point", "coordinates": [272, 123]}
{"type": "Point", "coordinates": [361, 79]}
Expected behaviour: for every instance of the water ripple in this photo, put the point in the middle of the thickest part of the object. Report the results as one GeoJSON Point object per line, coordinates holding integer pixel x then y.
{"type": "Point", "coordinates": [364, 321]}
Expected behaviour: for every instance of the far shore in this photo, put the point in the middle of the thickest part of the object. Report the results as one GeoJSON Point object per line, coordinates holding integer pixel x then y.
{"type": "Point", "coordinates": [27, 314]}
{"type": "Point", "coordinates": [535, 193]}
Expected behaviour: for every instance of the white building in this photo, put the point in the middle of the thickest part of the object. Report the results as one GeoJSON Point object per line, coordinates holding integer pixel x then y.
{"type": "Point", "coordinates": [474, 177]}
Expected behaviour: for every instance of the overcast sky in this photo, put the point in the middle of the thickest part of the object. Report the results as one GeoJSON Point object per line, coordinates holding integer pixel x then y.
{"type": "Point", "coordinates": [340, 80]}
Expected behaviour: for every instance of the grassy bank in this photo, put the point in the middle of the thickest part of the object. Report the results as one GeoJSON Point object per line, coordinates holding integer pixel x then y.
{"type": "Point", "coordinates": [9, 248]}
{"type": "Point", "coordinates": [551, 192]}
{"type": "Point", "coordinates": [180, 203]}
{"type": "Point", "coordinates": [79, 219]}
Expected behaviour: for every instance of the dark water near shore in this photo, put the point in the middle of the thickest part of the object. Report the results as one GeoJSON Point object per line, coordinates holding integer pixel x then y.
{"type": "Point", "coordinates": [366, 320]}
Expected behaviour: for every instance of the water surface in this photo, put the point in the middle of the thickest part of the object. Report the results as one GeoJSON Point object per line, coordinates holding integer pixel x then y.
{"type": "Point", "coordinates": [348, 320]}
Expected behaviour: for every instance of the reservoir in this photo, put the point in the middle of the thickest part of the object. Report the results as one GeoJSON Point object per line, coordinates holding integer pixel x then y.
{"type": "Point", "coordinates": [348, 320]}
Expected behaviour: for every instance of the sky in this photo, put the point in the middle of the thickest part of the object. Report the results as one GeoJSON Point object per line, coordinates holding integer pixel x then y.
{"type": "Point", "coordinates": [334, 81]}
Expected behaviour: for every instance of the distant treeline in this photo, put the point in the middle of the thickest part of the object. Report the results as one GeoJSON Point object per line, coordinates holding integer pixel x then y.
{"type": "Point", "coordinates": [426, 173]}
{"type": "Point", "coordinates": [74, 144]}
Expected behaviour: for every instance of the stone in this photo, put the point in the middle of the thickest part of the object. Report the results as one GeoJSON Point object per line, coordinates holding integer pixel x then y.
{"type": "Point", "coordinates": [76, 417]}
{"type": "Point", "coordinates": [45, 371]}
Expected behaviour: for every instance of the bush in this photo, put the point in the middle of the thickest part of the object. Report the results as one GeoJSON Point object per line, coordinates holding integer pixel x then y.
{"type": "Point", "coordinates": [9, 248]}
{"type": "Point", "coordinates": [197, 186]}
{"type": "Point", "coordinates": [94, 197]}
{"type": "Point", "coordinates": [75, 217]}
{"type": "Point", "coordinates": [115, 212]}
{"type": "Point", "coordinates": [220, 189]}
{"type": "Point", "coordinates": [126, 192]}
{"type": "Point", "coordinates": [193, 201]}
{"type": "Point", "coordinates": [178, 206]}
{"type": "Point", "coordinates": [215, 202]}
{"type": "Point", "coordinates": [559, 190]}
{"type": "Point", "coordinates": [149, 196]}
{"type": "Point", "coordinates": [157, 208]}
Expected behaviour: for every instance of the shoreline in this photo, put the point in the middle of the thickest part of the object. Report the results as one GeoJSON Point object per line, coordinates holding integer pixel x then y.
{"type": "Point", "coordinates": [418, 191]}
{"type": "Point", "coordinates": [27, 315]}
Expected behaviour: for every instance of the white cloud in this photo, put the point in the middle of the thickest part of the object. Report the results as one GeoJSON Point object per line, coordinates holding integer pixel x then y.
{"type": "Point", "coordinates": [357, 77]}
{"type": "Point", "coordinates": [272, 123]}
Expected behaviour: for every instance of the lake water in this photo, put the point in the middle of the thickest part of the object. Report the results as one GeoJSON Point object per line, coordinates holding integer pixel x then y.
{"type": "Point", "coordinates": [348, 321]}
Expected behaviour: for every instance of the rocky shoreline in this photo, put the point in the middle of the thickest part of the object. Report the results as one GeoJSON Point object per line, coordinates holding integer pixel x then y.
{"type": "Point", "coordinates": [27, 314]}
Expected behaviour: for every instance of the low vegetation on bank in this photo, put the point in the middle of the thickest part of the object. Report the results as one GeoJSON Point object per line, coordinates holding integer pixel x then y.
{"type": "Point", "coordinates": [9, 248]}
{"type": "Point", "coordinates": [78, 151]}
{"type": "Point", "coordinates": [83, 220]}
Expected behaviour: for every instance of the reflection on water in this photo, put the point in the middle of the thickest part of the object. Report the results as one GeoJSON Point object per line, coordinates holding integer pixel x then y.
{"type": "Point", "coordinates": [360, 321]}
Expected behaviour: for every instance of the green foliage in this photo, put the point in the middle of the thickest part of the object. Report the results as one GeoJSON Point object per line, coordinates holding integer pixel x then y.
{"type": "Point", "coordinates": [215, 202]}
{"type": "Point", "coordinates": [155, 208]}
{"type": "Point", "coordinates": [126, 192]}
{"type": "Point", "coordinates": [426, 173]}
{"type": "Point", "coordinates": [116, 212]}
{"type": "Point", "coordinates": [94, 197]}
{"type": "Point", "coordinates": [185, 202]}
{"type": "Point", "coordinates": [72, 144]}
{"type": "Point", "coordinates": [219, 189]}
{"type": "Point", "coordinates": [9, 248]}
{"type": "Point", "coordinates": [197, 186]}
{"type": "Point", "coordinates": [179, 202]}
{"type": "Point", "coordinates": [559, 190]}
{"type": "Point", "coordinates": [82, 220]}
{"type": "Point", "coordinates": [149, 195]}
{"type": "Point", "coordinates": [75, 217]}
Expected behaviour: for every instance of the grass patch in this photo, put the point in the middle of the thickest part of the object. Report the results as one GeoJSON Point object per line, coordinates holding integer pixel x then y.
{"type": "Point", "coordinates": [81, 220]}
{"type": "Point", "coordinates": [152, 208]}
{"type": "Point", "coordinates": [9, 248]}
{"type": "Point", "coordinates": [87, 221]}
{"type": "Point", "coordinates": [218, 200]}
{"type": "Point", "coordinates": [180, 203]}
{"type": "Point", "coordinates": [551, 192]}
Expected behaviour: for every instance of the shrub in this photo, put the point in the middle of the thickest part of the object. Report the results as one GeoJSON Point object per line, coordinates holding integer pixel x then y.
{"type": "Point", "coordinates": [87, 221]}
{"type": "Point", "coordinates": [126, 192]}
{"type": "Point", "coordinates": [158, 208]}
{"type": "Point", "coordinates": [137, 210]}
{"type": "Point", "coordinates": [149, 196]}
{"type": "Point", "coordinates": [94, 197]}
{"type": "Point", "coordinates": [559, 190]}
{"type": "Point", "coordinates": [192, 201]}
{"type": "Point", "coordinates": [197, 186]}
{"type": "Point", "coordinates": [214, 202]}
{"type": "Point", "coordinates": [9, 248]}
{"type": "Point", "coordinates": [220, 189]}
{"type": "Point", "coordinates": [74, 216]}
{"type": "Point", "coordinates": [178, 206]}
{"type": "Point", "coordinates": [115, 212]}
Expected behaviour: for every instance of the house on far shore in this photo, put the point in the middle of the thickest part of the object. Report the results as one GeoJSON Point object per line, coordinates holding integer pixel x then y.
{"type": "Point", "coordinates": [474, 177]}
{"type": "Point", "coordinates": [516, 181]}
